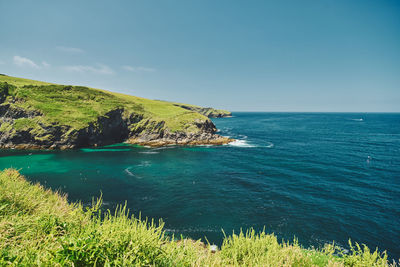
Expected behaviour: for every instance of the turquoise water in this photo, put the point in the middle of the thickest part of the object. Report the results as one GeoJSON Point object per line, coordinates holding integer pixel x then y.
{"type": "Point", "coordinates": [319, 177]}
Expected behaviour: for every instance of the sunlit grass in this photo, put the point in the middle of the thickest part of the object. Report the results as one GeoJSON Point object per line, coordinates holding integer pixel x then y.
{"type": "Point", "coordinates": [77, 106]}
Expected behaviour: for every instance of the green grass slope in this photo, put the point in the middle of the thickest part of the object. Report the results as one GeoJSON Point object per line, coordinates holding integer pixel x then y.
{"type": "Point", "coordinates": [79, 105]}
{"type": "Point", "coordinates": [20, 81]}
{"type": "Point", "coordinates": [39, 227]}
{"type": "Point", "coordinates": [209, 112]}
{"type": "Point", "coordinates": [43, 114]}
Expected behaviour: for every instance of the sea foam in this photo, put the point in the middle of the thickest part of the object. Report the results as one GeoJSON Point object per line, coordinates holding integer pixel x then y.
{"type": "Point", "coordinates": [270, 145]}
{"type": "Point", "coordinates": [241, 143]}
{"type": "Point", "coordinates": [245, 143]}
{"type": "Point", "coordinates": [127, 171]}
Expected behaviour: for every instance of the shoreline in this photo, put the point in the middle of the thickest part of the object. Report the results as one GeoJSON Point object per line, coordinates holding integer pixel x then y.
{"type": "Point", "coordinates": [221, 140]}
{"type": "Point", "coordinates": [132, 141]}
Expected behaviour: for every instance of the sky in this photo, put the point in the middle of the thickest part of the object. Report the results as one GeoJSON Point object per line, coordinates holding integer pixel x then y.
{"type": "Point", "coordinates": [303, 56]}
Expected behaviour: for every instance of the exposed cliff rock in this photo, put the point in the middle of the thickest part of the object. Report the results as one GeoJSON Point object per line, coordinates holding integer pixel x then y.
{"type": "Point", "coordinates": [113, 127]}
{"type": "Point", "coordinates": [205, 135]}
{"type": "Point", "coordinates": [67, 117]}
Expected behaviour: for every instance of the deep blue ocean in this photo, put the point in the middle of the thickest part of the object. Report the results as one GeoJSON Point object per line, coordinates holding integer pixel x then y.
{"type": "Point", "coordinates": [314, 176]}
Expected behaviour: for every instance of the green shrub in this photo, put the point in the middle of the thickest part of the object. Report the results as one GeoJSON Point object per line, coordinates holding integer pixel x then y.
{"type": "Point", "coordinates": [6, 89]}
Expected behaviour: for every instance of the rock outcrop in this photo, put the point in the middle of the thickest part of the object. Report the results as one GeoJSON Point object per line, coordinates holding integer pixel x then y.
{"type": "Point", "coordinates": [206, 136]}
{"type": "Point", "coordinates": [111, 128]}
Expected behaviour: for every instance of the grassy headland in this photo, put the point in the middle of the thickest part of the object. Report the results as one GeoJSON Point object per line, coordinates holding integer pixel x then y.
{"type": "Point", "coordinates": [39, 227]}
{"type": "Point", "coordinates": [209, 112]}
{"type": "Point", "coordinates": [48, 115]}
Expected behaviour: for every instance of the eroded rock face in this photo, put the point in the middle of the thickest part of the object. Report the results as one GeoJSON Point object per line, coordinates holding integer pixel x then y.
{"type": "Point", "coordinates": [189, 140]}
{"type": "Point", "coordinates": [111, 128]}
{"type": "Point", "coordinates": [114, 127]}
{"type": "Point", "coordinates": [205, 136]}
{"type": "Point", "coordinates": [9, 112]}
{"type": "Point", "coordinates": [108, 129]}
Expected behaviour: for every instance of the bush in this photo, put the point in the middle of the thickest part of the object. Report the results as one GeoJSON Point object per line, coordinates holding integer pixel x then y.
{"type": "Point", "coordinates": [5, 90]}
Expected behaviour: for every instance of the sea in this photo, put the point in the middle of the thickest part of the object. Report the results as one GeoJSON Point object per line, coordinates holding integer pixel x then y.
{"type": "Point", "coordinates": [313, 177]}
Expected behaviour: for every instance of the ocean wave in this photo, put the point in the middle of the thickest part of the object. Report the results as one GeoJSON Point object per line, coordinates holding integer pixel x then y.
{"type": "Point", "coordinates": [245, 143]}
{"type": "Point", "coordinates": [164, 147]}
{"type": "Point", "coordinates": [241, 143]}
{"type": "Point", "coordinates": [149, 152]}
{"type": "Point", "coordinates": [226, 129]}
{"type": "Point", "coordinates": [144, 163]}
{"type": "Point", "coordinates": [360, 119]}
{"type": "Point", "coordinates": [127, 171]}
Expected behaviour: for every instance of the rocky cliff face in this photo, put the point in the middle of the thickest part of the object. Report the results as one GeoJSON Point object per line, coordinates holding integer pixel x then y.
{"type": "Point", "coordinates": [162, 137]}
{"type": "Point", "coordinates": [24, 127]}
{"type": "Point", "coordinates": [114, 127]}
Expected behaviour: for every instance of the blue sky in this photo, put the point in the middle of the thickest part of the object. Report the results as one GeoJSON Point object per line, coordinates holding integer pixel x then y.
{"type": "Point", "coordinates": [238, 55]}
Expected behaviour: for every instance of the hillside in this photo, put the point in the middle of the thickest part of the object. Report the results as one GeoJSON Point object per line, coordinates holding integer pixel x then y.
{"type": "Point", "coordinates": [40, 228]}
{"type": "Point", "coordinates": [209, 112]}
{"type": "Point", "coordinates": [37, 114]}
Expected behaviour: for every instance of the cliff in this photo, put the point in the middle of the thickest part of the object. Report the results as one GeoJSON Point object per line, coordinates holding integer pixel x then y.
{"type": "Point", "coordinates": [36, 114]}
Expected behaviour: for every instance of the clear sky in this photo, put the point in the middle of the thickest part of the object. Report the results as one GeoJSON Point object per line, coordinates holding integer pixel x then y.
{"type": "Point", "coordinates": [320, 55]}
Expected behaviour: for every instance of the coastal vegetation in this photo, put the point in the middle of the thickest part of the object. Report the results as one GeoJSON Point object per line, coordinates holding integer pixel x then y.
{"type": "Point", "coordinates": [38, 227]}
{"type": "Point", "coordinates": [209, 112]}
{"type": "Point", "coordinates": [42, 115]}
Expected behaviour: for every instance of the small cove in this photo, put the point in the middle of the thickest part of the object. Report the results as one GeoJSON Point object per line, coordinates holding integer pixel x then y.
{"type": "Point", "coordinates": [319, 177]}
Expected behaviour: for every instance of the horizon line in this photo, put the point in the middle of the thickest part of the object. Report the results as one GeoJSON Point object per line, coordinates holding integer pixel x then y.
{"type": "Point", "coordinates": [246, 111]}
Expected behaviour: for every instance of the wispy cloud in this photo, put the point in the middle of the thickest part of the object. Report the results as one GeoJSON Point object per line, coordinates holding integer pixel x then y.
{"type": "Point", "coordinates": [138, 69]}
{"type": "Point", "coordinates": [72, 50]}
{"type": "Point", "coordinates": [24, 62]}
{"type": "Point", "coordinates": [45, 64]}
{"type": "Point", "coordinates": [98, 69]}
